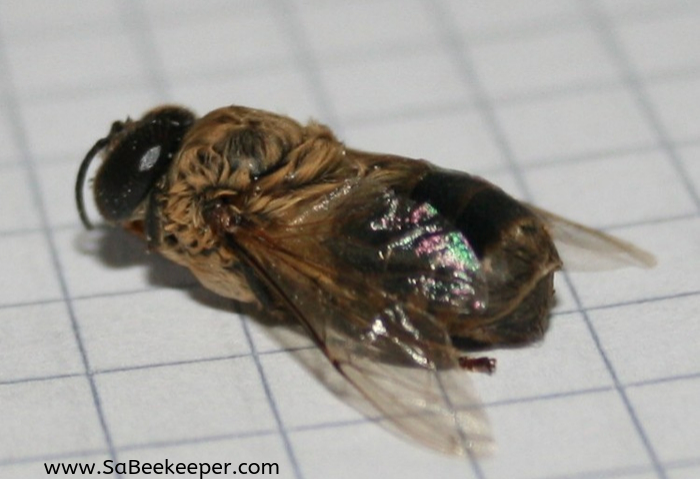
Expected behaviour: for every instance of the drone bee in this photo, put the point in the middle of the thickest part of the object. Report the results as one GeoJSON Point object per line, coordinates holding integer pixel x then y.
{"type": "Point", "coordinates": [393, 266]}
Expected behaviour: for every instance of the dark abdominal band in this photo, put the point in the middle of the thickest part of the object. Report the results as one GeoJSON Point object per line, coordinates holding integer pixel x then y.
{"type": "Point", "coordinates": [512, 240]}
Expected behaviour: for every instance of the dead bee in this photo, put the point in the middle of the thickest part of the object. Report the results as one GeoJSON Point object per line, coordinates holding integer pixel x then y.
{"type": "Point", "coordinates": [392, 265]}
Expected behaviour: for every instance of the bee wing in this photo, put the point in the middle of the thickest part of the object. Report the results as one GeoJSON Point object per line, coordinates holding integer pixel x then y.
{"type": "Point", "coordinates": [367, 273]}
{"type": "Point", "coordinates": [585, 249]}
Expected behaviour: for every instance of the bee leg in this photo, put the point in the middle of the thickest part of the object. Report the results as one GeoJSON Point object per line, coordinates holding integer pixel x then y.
{"type": "Point", "coordinates": [480, 365]}
{"type": "Point", "coordinates": [220, 217]}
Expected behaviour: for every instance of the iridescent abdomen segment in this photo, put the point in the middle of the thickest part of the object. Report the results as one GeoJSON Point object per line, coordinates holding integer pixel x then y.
{"type": "Point", "coordinates": [518, 257]}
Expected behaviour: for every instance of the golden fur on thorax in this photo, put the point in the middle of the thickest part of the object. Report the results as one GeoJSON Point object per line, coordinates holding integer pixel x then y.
{"type": "Point", "coordinates": [263, 164]}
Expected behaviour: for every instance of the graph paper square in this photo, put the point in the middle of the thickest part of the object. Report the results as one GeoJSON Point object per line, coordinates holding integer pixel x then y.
{"type": "Point", "coordinates": [670, 417]}
{"type": "Point", "coordinates": [374, 91]}
{"type": "Point", "coordinates": [661, 44]}
{"type": "Point", "coordinates": [585, 124]}
{"type": "Point", "coordinates": [586, 108]}
{"type": "Point", "coordinates": [539, 64]}
{"type": "Point", "coordinates": [567, 451]}
{"type": "Point", "coordinates": [34, 427]}
{"type": "Point", "coordinates": [678, 105]}
{"type": "Point", "coordinates": [122, 331]}
{"type": "Point", "coordinates": [167, 11]}
{"type": "Point", "coordinates": [26, 329]}
{"type": "Point", "coordinates": [642, 9]}
{"type": "Point", "coordinates": [31, 19]}
{"type": "Point", "coordinates": [410, 27]}
{"type": "Point", "coordinates": [16, 209]}
{"type": "Point", "coordinates": [29, 59]}
{"type": "Point", "coordinates": [11, 151]}
{"type": "Point", "coordinates": [458, 139]}
{"type": "Point", "coordinates": [645, 176]}
{"type": "Point", "coordinates": [688, 472]}
{"type": "Point", "coordinates": [248, 40]}
{"type": "Point", "coordinates": [204, 406]}
{"type": "Point", "coordinates": [511, 16]}
{"type": "Point", "coordinates": [653, 354]}
{"type": "Point", "coordinates": [692, 166]}
{"type": "Point", "coordinates": [26, 256]}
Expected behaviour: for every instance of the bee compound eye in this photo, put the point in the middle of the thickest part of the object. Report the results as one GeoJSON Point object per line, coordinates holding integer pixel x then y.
{"type": "Point", "coordinates": [132, 168]}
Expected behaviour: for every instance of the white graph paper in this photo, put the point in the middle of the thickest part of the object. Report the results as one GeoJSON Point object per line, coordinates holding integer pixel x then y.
{"type": "Point", "coordinates": [588, 108]}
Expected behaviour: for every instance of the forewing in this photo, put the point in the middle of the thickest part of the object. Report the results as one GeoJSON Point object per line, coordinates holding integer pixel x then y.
{"type": "Point", "coordinates": [584, 249]}
{"type": "Point", "coordinates": [369, 274]}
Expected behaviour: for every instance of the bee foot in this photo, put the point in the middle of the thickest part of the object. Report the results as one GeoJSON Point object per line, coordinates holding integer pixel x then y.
{"type": "Point", "coordinates": [480, 365]}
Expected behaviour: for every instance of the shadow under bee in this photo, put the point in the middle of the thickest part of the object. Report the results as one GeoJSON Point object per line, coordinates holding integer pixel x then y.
{"type": "Point", "coordinates": [117, 249]}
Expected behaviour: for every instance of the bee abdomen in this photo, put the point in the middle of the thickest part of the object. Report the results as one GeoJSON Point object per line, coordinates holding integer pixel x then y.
{"type": "Point", "coordinates": [480, 210]}
{"type": "Point", "coordinates": [517, 255]}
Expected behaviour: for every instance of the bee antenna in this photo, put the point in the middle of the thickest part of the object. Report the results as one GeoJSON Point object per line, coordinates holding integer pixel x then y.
{"type": "Point", "coordinates": [80, 182]}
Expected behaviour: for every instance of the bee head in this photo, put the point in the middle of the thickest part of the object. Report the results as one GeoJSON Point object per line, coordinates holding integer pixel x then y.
{"type": "Point", "coordinates": [136, 155]}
